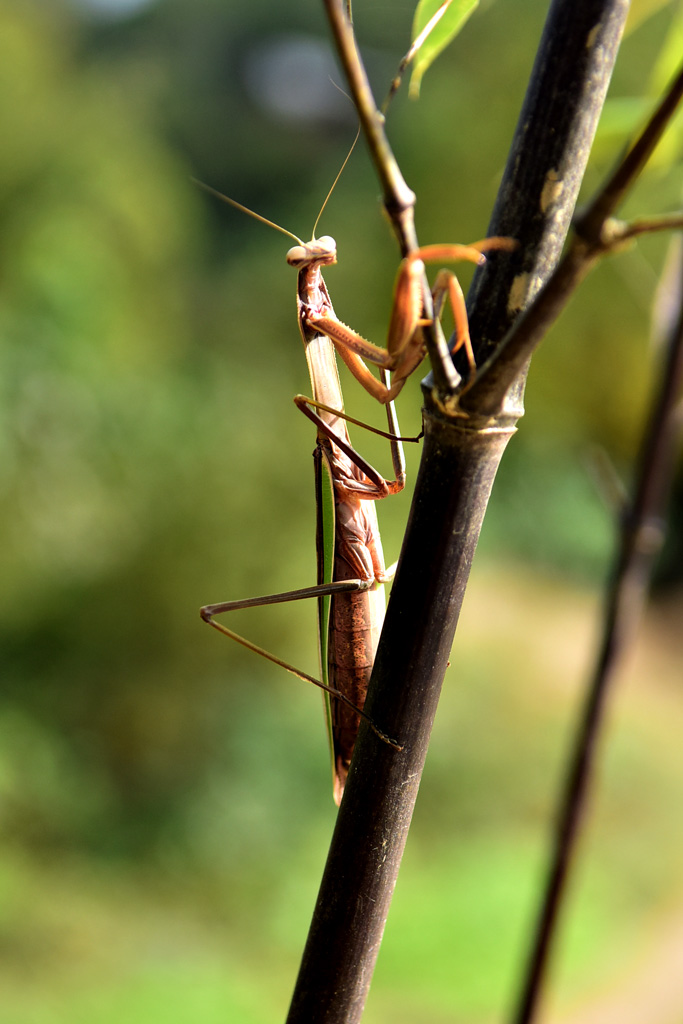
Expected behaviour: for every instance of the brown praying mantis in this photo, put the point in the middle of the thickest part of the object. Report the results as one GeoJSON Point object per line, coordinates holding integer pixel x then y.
{"type": "Point", "coordinates": [350, 561]}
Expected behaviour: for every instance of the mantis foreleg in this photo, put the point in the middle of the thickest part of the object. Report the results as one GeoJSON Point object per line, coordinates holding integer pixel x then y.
{"type": "Point", "coordinates": [208, 612]}
{"type": "Point", "coordinates": [405, 346]}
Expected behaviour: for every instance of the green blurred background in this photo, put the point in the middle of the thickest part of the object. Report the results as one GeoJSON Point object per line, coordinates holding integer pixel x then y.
{"type": "Point", "coordinates": [165, 799]}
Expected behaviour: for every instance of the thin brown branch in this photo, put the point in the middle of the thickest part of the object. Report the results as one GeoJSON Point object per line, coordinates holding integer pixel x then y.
{"type": "Point", "coordinates": [398, 198]}
{"type": "Point", "coordinates": [651, 225]}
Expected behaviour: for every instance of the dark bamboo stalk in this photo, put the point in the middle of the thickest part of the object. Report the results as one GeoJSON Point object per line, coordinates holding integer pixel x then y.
{"type": "Point", "coordinates": [375, 813]}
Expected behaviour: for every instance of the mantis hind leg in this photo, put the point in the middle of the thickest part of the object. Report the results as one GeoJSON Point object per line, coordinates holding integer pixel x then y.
{"type": "Point", "coordinates": [208, 612]}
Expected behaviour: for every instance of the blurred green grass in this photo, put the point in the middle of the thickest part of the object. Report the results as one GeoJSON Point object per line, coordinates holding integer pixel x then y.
{"type": "Point", "coordinates": [164, 801]}
{"type": "Point", "coordinates": [212, 920]}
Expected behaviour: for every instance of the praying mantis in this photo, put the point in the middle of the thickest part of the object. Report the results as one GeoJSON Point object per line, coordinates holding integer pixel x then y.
{"type": "Point", "coordinates": [351, 567]}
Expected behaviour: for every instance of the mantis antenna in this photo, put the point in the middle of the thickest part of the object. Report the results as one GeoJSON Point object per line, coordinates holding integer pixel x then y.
{"type": "Point", "coordinates": [334, 183]}
{"type": "Point", "coordinates": [270, 223]}
{"type": "Point", "coordinates": [250, 213]}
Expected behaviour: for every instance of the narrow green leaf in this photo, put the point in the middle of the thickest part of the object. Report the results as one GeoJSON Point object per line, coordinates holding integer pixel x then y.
{"type": "Point", "coordinates": [446, 29]}
{"type": "Point", "coordinates": [325, 539]}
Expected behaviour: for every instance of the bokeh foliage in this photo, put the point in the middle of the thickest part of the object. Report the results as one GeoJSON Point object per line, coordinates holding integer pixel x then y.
{"type": "Point", "coordinates": [164, 799]}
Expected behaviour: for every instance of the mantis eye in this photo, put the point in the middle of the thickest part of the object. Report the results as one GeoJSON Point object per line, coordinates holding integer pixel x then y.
{"type": "Point", "coordinates": [296, 255]}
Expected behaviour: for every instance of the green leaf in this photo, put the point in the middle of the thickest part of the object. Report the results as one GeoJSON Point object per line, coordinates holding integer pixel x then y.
{"type": "Point", "coordinates": [446, 29]}
{"type": "Point", "coordinates": [325, 540]}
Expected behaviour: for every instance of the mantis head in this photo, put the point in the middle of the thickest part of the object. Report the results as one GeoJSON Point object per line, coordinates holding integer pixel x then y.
{"type": "Point", "coordinates": [318, 250]}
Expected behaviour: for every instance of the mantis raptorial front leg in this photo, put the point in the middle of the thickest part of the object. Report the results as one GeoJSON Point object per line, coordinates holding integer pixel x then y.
{"type": "Point", "coordinates": [405, 345]}
{"type": "Point", "coordinates": [377, 487]}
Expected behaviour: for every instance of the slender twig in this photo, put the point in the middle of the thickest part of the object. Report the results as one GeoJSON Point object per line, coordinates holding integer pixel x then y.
{"type": "Point", "coordinates": [640, 541]}
{"type": "Point", "coordinates": [398, 198]}
{"type": "Point", "coordinates": [649, 225]}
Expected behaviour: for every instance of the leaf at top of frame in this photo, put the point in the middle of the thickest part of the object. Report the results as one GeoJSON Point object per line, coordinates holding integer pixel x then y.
{"type": "Point", "coordinates": [455, 15]}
